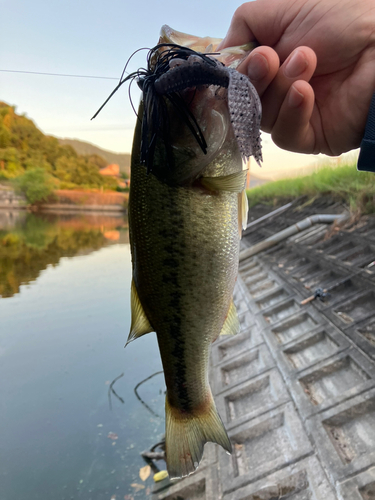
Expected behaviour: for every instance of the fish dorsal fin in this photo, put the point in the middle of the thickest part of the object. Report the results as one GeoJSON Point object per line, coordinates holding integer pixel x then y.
{"type": "Point", "coordinates": [243, 209]}
{"type": "Point", "coordinates": [140, 325]}
{"type": "Point", "coordinates": [234, 183]}
{"type": "Point", "coordinates": [231, 324]}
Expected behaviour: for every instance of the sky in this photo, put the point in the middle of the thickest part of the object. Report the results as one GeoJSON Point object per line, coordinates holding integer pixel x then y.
{"type": "Point", "coordinates": [96, 38]}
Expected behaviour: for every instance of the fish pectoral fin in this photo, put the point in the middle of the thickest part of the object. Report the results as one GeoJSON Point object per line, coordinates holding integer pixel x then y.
{"type": "Point", "coordinates": [231, 324]}
{"type": "Point", "coordinates": [186, 435]}
{"type": "Point", "coordinates": [234, 183]}
{"type": "Point", "coordinates": [243, 209]}
{"type": "Point", "coordinates": [140, 324]}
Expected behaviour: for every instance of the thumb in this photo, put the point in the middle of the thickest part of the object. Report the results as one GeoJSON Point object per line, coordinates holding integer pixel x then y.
{"type": "Point", "coordinates": [256, 20]}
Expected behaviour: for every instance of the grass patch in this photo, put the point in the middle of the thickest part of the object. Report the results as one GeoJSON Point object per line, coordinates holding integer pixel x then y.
{"type": "Point", "coordinates": [344, 183]}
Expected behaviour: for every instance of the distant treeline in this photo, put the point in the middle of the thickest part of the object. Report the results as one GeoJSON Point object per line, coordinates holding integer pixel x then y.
{"type": "Point", "coordinates": [24, 147]}
{"type": "Point", "coordinates": [86, 148]}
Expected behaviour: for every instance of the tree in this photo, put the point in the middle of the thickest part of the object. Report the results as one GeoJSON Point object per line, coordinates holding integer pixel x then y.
{"type": "Point", "coordinates": [35, 184]}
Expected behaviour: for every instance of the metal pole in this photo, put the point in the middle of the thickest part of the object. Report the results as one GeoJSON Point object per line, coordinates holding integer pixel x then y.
{"type": "Point", "coordinates": [290, 231]}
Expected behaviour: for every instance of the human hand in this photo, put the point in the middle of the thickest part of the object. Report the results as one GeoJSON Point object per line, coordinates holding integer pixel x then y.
{"type": "Point", "coordinates": [318, 99]}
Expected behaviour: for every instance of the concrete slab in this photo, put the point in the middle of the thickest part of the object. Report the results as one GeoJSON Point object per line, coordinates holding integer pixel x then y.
{"type": "Point", "coordinates": [331, 381]}
{"type": "Point", "coordinates": [363, 334]}
{"type": "Point", "coordinates": [310, 349]}
{"type": "Point", "coordinates": [304, 480]}
{"type": "Point", "coordinates": [246, 320]}
{"type": "Point", "coordinates": [235, 345]}
{"type": "Point", "coordinates": [202, 485]}
{"type": "Point", "coordinates": [252, 398]}
{"type": "Point", "coordinates": [360, 487]}
{"type": "Point", "coordinates": [290, 267]}
{"type": "Point", "coordinates": [271, 298]}
{"type": "Point", "coordinates": [303, 322]}
{"type": "Point", "coordinates": [248, 264]}
{"type": "Point", "coordinates": [361, 256]}
{"type": "Point", "coordinates": [254, 279]}
{"type": "Point", "coordinates": [340, 293]}
{"type": "Point", "coordinates": [262, 446]}
{"type": "Point", "coordinates": [239, 300]}
{"type": "Point", "coordinates": [280, 255]}
{"type": "Point", "coordinates": [354, 310]}
{"type": "Point", "coordinates": [281, 311]}
{"type": "Point", "coordinates": [253, 270]}
{"type": "Point", "coordinates": [259, 288]}
{"type": "Point", "coordinates": [241, 368]}
{"type": "Point", "coordinates": [318, 276]}
{"type": "Point", "coordinates": [344, 436]}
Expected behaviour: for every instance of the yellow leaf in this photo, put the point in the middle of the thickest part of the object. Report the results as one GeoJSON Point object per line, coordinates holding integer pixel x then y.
{"type": "Point", "coordinates": [144, 472]}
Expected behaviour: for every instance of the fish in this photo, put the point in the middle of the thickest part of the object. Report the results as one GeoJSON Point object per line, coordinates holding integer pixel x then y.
{"type": "Point", "coordinates": [187, 206]}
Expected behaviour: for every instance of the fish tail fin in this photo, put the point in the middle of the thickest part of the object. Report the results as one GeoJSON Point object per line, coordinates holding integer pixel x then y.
{"type": "Point", "coordinates": [186, 436]}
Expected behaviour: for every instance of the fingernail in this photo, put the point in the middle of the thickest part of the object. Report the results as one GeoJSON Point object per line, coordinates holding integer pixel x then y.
{"type": "Point", "coordinates": [295, 98]}
{"type": "Point", "coordinates": [295, 65]}
{"type": "Point", "coordinates": [257, 68]}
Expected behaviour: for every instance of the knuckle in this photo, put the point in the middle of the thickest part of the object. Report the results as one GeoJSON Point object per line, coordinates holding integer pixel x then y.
{"type": "Point", "coordinates": [242, 11]}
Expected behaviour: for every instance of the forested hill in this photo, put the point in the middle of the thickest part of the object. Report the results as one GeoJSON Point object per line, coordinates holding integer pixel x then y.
{"type": "Point", "coordinates": [86, 148]}
{"type": "Point", "coordinates": [24, 147]}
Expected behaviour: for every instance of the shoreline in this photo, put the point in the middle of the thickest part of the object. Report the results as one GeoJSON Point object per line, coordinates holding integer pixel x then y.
{"type": "Point", "coordinates": [91, 209]}
{"type": "Point", "coordinates": [68, 201]}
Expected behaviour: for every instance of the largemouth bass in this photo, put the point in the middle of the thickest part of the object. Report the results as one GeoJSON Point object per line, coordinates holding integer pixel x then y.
{"type": "Point", "coordinates": [186, 204]}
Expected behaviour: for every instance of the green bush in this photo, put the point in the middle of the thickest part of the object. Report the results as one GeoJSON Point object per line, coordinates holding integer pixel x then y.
{"type": "Point", "coordinates": [344, 183]}
{"type": "Point", "coordinates": [35, 184]}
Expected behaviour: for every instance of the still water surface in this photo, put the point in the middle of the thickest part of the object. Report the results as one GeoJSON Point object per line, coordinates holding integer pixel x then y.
{"type": "Point", "coordinates": [64, 319]}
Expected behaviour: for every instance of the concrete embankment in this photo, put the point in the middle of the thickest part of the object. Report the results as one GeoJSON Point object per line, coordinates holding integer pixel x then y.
{"type": "Point", "coordinates": [69, 201]}
{"type": "Point", "coordinates": [86, 201]}
{"type": "Point", "coordinates": [10, 200]}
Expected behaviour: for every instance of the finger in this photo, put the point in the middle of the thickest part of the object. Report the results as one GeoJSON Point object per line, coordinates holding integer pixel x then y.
{"type": "Point", "coordinates": [293, 130]}
{"type": "Point", "coordinates": [300, 65]}
{"type": "Point", "coordinates": [262, 20]}
{"type": "Point", "coordinates": [239, 31]}
{"type": "Point", "coordinates": [261, 66]}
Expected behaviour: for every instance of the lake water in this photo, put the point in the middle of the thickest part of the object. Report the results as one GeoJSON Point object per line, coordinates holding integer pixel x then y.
{"type": "Point", "coordinates": [64, 320]}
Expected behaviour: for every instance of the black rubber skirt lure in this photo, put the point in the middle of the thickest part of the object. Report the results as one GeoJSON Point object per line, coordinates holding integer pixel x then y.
{"type": "Point", "coordinates": [172, 69]}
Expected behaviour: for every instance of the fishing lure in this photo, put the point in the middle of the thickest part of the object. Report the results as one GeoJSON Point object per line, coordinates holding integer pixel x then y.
{"type": "Point", "coordinates": [172, 68]}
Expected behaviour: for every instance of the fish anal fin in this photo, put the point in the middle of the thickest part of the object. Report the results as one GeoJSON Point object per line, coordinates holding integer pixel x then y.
{"type": "Point", "coordinates": [186, 436]}
{"type": "Point", "coordinates": [233, 183]}
{"type": "Point", "coordinates": [231, 324]}
{"type": "Point", "coordinates": [140, 324]}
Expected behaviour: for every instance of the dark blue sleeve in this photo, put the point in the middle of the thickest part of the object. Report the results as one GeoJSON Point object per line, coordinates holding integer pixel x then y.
{"type": "Point", "coordinates": [366, 160]}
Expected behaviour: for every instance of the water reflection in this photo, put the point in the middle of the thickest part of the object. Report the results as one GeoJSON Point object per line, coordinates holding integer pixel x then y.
{"type": "Point", "coordinates": [64, 319]}
{"type": "Point", "coordinates": [30, 242]}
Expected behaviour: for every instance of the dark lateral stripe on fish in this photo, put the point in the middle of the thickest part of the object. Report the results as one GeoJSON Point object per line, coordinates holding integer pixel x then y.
{"type": "Point", "coordinates": [183, 77]}
{"type": "Point", "coordinates": [179, 365]}
{"type": "Point", "coordinates": [176, 335]}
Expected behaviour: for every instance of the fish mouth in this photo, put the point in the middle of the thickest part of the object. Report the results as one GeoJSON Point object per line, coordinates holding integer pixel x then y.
{"type": "Point", "coordinates": [231, 57]}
